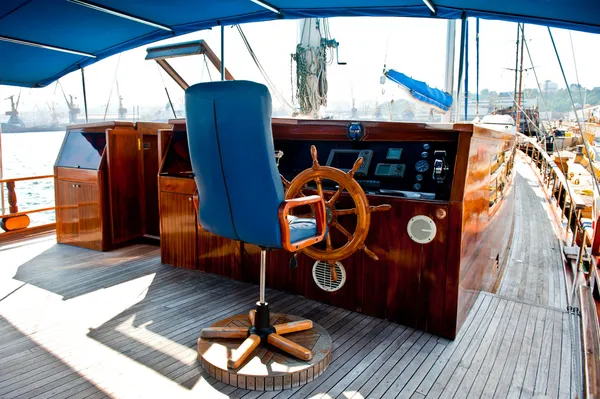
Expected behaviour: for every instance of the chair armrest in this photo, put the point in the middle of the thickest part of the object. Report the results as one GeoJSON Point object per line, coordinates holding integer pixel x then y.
{"type": "Point", "coordinates": [320, 218]}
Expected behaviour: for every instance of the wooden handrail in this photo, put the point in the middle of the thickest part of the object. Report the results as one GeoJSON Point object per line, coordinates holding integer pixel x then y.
{"type": "Point", "coordinates": [25, 178]}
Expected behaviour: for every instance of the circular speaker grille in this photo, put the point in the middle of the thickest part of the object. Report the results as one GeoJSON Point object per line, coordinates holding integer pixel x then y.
{"type": "Point", "coordinates": [421, 229]}
{"type": "Point", "coordinates": [322, 275]}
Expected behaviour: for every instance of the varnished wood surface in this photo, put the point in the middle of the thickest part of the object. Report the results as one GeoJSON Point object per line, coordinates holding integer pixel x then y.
{"type": "Point", "coordinates": [178, 230]}
{"type": "Point", "coordinates": [124, 186]}
{"type": "Point", "coordinates": [79, 214]}
{"type": "Point", "coordinates": [99, 126]}
{"type": "Point", "coordinates": [77, 323]}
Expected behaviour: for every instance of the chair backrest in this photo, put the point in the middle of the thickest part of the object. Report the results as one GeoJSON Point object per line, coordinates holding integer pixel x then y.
{"type": "Point", "coordinates": [233, 159]}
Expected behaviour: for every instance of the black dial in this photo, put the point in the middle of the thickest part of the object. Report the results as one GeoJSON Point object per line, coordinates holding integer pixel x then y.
{"type": "Point", "coordinates": [422, 166]}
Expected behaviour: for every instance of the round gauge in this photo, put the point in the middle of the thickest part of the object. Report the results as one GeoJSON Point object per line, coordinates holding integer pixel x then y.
{"type": "Point", "coordinates": [417, 186]}
{"type": "Point", "coordinates": [422, 166]}
{"type": "Point", "coordinates": [419, 177]}
{"type": "Point", "coordinates": [424, 154]}
{"type": "Point", "coordinates": [426, 146]}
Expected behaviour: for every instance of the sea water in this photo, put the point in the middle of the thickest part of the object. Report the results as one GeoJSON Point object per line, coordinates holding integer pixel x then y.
{"type": "Point", "coordinates": [31, 154]}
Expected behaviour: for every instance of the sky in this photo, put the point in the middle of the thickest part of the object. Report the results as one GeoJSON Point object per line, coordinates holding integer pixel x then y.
{"type": "Point", "coordinates": [415, 47]}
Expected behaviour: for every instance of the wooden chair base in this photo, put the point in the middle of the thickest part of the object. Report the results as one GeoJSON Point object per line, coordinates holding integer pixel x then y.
{"type": "Point", "coordinates": [252, 341]}
{"type": "Point", "coordinates": [281, 362]}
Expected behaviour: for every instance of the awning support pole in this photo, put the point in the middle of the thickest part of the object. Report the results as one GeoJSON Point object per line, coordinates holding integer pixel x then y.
{"type": "Point", "coordinates": [461, 63]}
{"type": "Point", "coordinates": [466, 69]}
{"type": "Point", "coordinates": [449, 71]}
{"type": "Point", "coordinates": [85, 107]}
{"type": "Point", "coordinates": [222, 52]}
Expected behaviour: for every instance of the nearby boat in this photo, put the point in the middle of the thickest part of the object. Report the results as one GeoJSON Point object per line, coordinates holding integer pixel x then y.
{"type": "Point", "coordinates": [400, 262]}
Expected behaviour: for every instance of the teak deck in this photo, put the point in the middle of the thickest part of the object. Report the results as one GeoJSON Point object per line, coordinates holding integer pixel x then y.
{"type": "Point", "coordinates": [79, 323]}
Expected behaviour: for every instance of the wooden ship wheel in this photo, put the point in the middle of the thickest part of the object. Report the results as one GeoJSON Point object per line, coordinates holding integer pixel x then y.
{"type": "Point", "coordinates": [347, 187]}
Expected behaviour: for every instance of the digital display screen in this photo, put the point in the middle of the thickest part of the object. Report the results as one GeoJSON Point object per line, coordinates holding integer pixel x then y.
{"type": "Point", "coordinates": [384, 169]}
{"type": "Point", "coordinates": [394, 154]}
{"type": "Point", "coordinates": [343, 160]}
{"type": "Point", "coordinates": [82, 150]}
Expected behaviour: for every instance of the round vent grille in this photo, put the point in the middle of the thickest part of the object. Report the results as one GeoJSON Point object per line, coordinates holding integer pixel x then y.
{"type": "Point", "coordinates": [421, 229]}
{"type": "Point", "coordinates": [322, 275]}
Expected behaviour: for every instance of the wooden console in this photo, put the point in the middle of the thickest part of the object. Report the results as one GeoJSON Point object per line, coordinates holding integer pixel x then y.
{"type": "Point", "coordinates": [429, 286]}
{"type": "Point", "coordinates": [103, 197]}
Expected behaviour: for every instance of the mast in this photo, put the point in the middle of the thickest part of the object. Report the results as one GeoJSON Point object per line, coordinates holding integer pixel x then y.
{"type": "Point", "coordinates": [520, 93]}
{"type": "Point", "coordinates": [517, 62]}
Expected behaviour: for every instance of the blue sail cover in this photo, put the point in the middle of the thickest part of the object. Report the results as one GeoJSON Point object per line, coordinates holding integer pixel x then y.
{"type": "Point", "coordinates": [421, 91]}
{"type": "Point", "coordinates": [92, 30]}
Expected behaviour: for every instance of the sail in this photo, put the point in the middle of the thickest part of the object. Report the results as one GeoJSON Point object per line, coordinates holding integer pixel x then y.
{"type": "Point", "coordinates": [421, 91]}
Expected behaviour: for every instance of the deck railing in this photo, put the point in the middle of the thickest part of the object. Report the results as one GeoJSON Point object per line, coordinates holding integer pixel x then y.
{"type": "Point", "coordinates": [10, 206]}
{"type": "Point", "coordinates": [583, 252]}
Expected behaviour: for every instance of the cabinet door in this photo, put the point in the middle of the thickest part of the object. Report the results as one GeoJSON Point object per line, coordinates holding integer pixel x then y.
{"type": "Point", "coordinates": [67, 216]}
{"type": "Point", "coordinates": [177, 230]}
{"type": "Point", "coordinates": [90, 219]}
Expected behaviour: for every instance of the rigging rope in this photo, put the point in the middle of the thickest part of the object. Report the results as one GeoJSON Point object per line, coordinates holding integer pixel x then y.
{"type": "Point", "coordinates": [270, 83]}
{"type": "Point", "coordinates": [311, 69]}
{"type": "Point", "coordinates": [585, 143]}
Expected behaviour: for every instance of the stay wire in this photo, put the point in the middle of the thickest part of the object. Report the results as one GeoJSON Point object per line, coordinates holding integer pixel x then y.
{"type": "Point", "coordinates": [585, 144]}
{"type": "Point", "coordinates": [112, 86]}
{"type": "Point", "coordinates": [166, 91]}
{"type": "Point", "coordinates": [577, 75]}
{"type": "Point", "coordinates": [261, 69]}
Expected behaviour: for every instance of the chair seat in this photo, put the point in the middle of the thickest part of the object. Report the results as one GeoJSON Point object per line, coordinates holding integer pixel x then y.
{"type": "Point", "coordinates": [301, 228]}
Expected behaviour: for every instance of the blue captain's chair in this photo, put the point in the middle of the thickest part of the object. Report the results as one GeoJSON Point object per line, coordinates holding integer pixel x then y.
{"type": "Point", "coordinates": [241, 195]}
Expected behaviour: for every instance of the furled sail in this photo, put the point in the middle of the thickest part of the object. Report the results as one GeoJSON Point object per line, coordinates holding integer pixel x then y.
{"type": "Point", "coordinates": [439, 99]}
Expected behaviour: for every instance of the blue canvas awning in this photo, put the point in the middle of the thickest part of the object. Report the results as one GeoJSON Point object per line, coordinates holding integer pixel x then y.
{"type": "Point", "coordinates": [421, 91]}
{"type": "Point", "coordinates": [91, 33]}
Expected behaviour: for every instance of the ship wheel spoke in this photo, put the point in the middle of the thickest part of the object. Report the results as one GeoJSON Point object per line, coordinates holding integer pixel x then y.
{"type": "Point", "coordinates": [342, 230]}
{"type": "Point", "coordinates": [329, 245]}
{"type": "Point", "coordinates": [380, 208]}
{"type": "Point", "coordinates": [286, 182]}
{"type": "Point", "coordinates": [333, 272]}
{"type": "Point", "coordinates": [355, 167]}
{"type": "Point", "coordinates": [343, 212]}
{"type": "Point", "coordinates": [319, 181]}
{"type": "Point", "coordinates": [370, 253]}
{"type": "Point", "coordinates": [335, 197]}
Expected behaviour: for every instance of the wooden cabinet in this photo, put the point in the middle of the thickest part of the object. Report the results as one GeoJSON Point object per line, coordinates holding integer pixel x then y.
{"type": "Point", "coordinates": [79, 220]}
{"type": "Point", "coordinates": [98, 186]}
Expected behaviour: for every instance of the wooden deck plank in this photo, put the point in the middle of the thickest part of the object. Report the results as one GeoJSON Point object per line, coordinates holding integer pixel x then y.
{"type": "Point", "coordinates": [534, 272]}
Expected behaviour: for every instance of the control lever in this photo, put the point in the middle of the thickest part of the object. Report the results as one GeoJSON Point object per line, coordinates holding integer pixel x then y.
{"type": "Point", "coordinates": [440, 167]}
